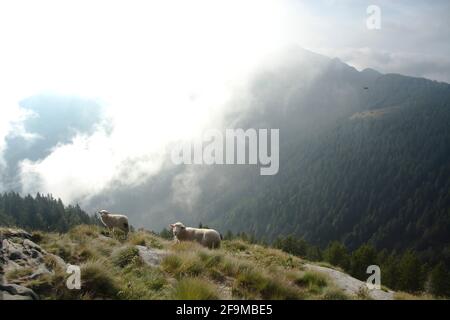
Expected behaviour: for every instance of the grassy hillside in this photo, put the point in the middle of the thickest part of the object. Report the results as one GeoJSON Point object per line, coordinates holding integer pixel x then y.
{"type": "Point", "coordinates": [112, 268]}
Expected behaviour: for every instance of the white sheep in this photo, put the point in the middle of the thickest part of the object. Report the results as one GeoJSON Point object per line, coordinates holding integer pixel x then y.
{"type": "Point", "coordinates": [113, 221]}
{"type": "Point", "coordinates": [207, 237]}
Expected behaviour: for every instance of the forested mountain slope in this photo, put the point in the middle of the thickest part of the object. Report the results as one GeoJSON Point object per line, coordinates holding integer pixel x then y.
{"type": "Point", "coordinates": [365, 157]}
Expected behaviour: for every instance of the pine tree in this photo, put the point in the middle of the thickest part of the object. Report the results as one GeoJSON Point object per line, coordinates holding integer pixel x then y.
{"type": "Point", "coordinates": [363, 257]}
{"type": "Point", "coordinates": [440, 281]}
{"type": "Point", "coordinates": [411, 273]}
{"type": "Point", "coordinates": [336, 254]}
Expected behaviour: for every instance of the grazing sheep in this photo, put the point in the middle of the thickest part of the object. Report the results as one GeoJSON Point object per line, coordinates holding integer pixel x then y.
{"type": "Point", "coordinates": [113, 221]}
{"type": "Point", "coordinates": [207, 237]}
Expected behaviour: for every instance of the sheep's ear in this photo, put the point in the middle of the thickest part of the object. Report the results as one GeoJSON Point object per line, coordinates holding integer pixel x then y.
{"type": "Point", "coordinates": [183, 227]}
{"type": "Point", "coordinates": [172, 226]}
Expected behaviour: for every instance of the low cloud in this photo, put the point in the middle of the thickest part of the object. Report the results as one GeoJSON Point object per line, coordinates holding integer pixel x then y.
{"type": "Point", "coordinates": [435, 67]}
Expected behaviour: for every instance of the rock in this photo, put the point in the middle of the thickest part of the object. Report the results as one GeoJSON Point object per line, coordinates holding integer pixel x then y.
{"type": "Point", "coordinates": [349, 284]}
{"type": "Point", "coordinates": [15, 254]}
{"type": "Point", "coordinates": [151, 257]}
{"type": "Point", "coordinates": [59, 261]}
{"type": "Point", "coordinates": [17, 290]}
{"type": "Point", "coordinates": [35, 254]}
{"type": "Point", "coordinates": [17, 251]}
{"type": "Point", "coordinates": [15, 233]}
{"type": "Point", "coordinates": [7, 296]}
{"type": "Point", "coordinates": [31, 245]}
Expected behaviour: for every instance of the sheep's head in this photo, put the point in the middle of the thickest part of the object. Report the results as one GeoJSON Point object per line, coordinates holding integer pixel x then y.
{"type": "Point", "coordinates": [103, 213]}
{"type": "Point", "coordinates": [177, 228]}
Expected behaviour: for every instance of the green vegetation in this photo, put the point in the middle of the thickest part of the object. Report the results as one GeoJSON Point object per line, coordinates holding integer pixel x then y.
{"type": "Point", "coordinates": [125, 256]}
{"type": "Point", "coordinates": [112, 269]}
{"type": "Point", "coordinates": [314, 281]}
{"type": "Point", "coordinates": [40, 213]}
{"type": "Point", "coordinates": [194, 289]}
{"type": "Point", "coordinates": [399, 271]}
{"type": "Point", "coordinates": [246, 268]}
{"type": "Point", "coordinates": [382, 179]}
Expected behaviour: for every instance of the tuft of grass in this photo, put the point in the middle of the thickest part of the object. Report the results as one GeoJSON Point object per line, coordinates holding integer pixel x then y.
{"type": "Point", "coordinates": [143, 282]}
{"type": "Point", "coordinates": [124, 256]}
{"type": "Point", "coordinates": [314, 282]}
{"type": "Point", "coordinates": [235, 245]}
{"type": "Point", "coordinates": [52, 286]}
{"type": "Point", "coordinates": [363, 294]}
{"type": "Point", "coordinates": [138, 239]}
{"type": "Point", "coordinates": [84, 231]}
{"type": "Point", "coordinates": [194, 289]}
{"type": "Point", "coordinates": [171, 263]}
{"type": "Point", "coordinates": [37, 236]}
{"type": "Point", "coordinates": [97, 280]}
{"type": "Point", "coordinates": [18, 273]}
{"type": "Point", "coordinates": [335, 294]}
{"type": "Point", "coordinates": [251, 283]}
{"type": "Point", "coordinates": [183, 264]}
{"type": "Point", "coordinates": [86, 253]}
{"type": "Point", "coordinates": [231, 267]}
{"type": "Point", "coordinates": [64, 249]}
{"type": "Point", "coordinates": [52, 263]}
{"type": "Point", "coordinates": [186, 246]}
{"type": "Point", "coordinates": [277, 289]}
{"type": "Point", "coordinates": [216, 274]}
{"type": "Point", "coordinates": [400, 295]}
{"type": "Point", "coordinates": [142, 238]}
{"type": "Point", "coordinates": [210, 260]}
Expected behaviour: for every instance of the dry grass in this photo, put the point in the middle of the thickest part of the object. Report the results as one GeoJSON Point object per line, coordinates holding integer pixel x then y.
{"type": "Point", "coordinates": [112, 269]}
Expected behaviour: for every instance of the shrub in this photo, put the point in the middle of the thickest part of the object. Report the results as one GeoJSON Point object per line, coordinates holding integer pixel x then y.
{"type": "Point", "coordinates": [440, 281]}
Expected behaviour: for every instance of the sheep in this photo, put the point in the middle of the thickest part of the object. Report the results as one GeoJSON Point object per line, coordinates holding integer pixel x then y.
{"type": "Point", "coordinates": [207, 237]}
{"type": "Point", "coordinates": [112, 221]}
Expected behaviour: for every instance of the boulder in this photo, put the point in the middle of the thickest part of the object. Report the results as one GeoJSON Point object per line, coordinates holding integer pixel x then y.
{"type": "Point", "coordinates": [17, 292]}
{"type": "Point", "coordinates": [150, 256]}
{"type": "Point", "coordinates": [18, 251]}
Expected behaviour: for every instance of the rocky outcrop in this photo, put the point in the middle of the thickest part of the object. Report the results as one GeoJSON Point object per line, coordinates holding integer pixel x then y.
{"type": "Point", "coordinates": [350, 285]}
{"type": "Point", "coordinates": [19, 254]}
{"type": "Point", "coordinates": [16, 292]}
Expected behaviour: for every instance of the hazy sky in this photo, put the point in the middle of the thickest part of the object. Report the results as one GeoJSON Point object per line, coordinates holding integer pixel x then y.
{"type": "Point", "coordinates": [163, 70]}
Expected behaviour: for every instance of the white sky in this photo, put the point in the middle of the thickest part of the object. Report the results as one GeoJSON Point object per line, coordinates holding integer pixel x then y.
{"type": "Point", "coordinates": [164, 69]}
